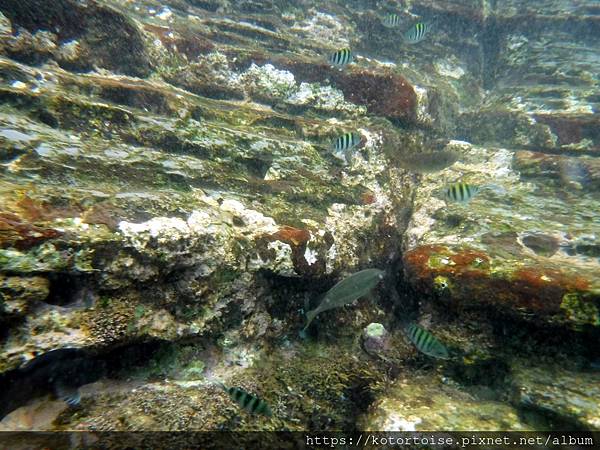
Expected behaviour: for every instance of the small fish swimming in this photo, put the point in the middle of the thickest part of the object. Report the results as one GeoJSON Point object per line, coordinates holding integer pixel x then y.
{"type": "Point", "coordinates": [341, 57]}
{"type": "Point", "coordinates": [343, 145]}
{"type": "Point", "coordinates": [429, 161]}
{"type": "Point", "coordinates": [346, 291]}
{"type": "Point", "coordinates": [417, 32]}
{"type": "Point", "coordinates": [460, 192]}
{"type": "Point", "coordinates": [249, 402]}
{"type": "Point", "coordinates": [391, 20]}
{"type": "Point", "coordinates": [426, 342]}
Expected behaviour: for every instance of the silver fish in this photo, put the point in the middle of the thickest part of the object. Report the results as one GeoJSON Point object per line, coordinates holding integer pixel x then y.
{"type": "Point", "coordinates": [429, 161]}
{"type": "Point", "coordinates": [346, 291]}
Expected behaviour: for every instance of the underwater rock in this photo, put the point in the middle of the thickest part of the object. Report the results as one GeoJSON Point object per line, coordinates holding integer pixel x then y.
{"type": "Point", "coordinates": [111, 39]}
{"type": "Point", "coordinates": [180, 187]}
{"type": "Point", "coordinates": [423, 403]}
{"type": "Point", "coordinates": [39, 416]}
{"type": "Point", "coordinates": [567, 172]}
{"type": "Point", "coordinates": [383, 93]}
{"type": "Point", "coordinates": [5, 30]}
{"type": "Point", "coordinates": [209, 75]}
{"type": "Point", "coordinates": [541, 244]}
{"type": "Point", "coordinates": [535, 292]}
{"type": "Point", "coordinates": [551, 108]}
{"type": "Point", "coordinates": [18, 294]}
{"type": "Point", "coordinates": [564, 396]}
{"type": "Point", "coordinates": [500, 127]}
{"type": "Point", "coordinates": [267, 83]}
{"type": "Point", "coordinates": [14, 232]}
{"type": "Point", "coordinates": [40, 45]}
{"type": "Point", "coordinates": [474, 246]}
{"type": "Point", "coordinates": [375, 339]}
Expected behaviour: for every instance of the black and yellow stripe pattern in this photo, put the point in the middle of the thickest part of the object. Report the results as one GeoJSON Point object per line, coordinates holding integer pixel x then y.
{"type": "Point", "coordinates": [346, 141]}
{"type": "Point", "coordinates": [391, 20]}
{"type": "Point", "coordinates": [417, 32]}
{"type": "Point", "coordinates": [249, 402]}
{"type": "Point", "coordinates": [426, 342]}
{"type": "Point", "coordinates": [460, 192]}
{"type": "Point", "coordinates": [341, 57]}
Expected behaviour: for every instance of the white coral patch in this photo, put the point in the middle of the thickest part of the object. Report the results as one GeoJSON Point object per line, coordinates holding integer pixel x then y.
{"type": "Point", "coordinates": [208, 240]}
{"type": "Point", "coordinates": [447, 69]}
{"type": "Point", "coordinates": [310, 256]}
{"type": "Point", "coordinates": [268, 81]}
{"type": "Point", "coordinates": [397, 423]}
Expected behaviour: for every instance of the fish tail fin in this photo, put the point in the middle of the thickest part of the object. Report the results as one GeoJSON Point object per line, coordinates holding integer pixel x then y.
{"type": "Point", "coordinates": [310, 315]}
{"type": "Point", "coordinates": [69, 394]}
{"type": "Point", "coordinates": [348, 154]}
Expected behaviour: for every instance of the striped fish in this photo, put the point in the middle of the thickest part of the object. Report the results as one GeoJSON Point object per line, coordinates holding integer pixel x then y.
{"type": "Point", "coordinates": [417, 32]}
{"type": "Point", "coordinates": [426, 342]}
{"type": "Point", "coordinates": [346, 141]}
{"type": "Point", "coordinates": [343, 145]}
{"type": "Point", "coordinates": [390, 20]}
{"type": "Point", "coordinates": [249, 402]}
{"type": "Point", "coordinates": [341, 57]}
{"type": "Point", "coordinates": [460, 192]}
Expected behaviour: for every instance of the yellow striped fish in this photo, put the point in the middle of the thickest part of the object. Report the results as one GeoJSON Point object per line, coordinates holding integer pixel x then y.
{"type": "Point", "coordinates": [391, 20]}
{"type": "Point", "coordinates": [460, 192]}
{"type": "Point", "coordinates": [347, 141]}
{"type": "Point", "coordinates": [417, 32]}
{"type": "Point", "coordinates": [426, 342]}
{"type": "Point", "coordinates": [341, 57]}
{"type": "Point", "coordinates": [249, 402]}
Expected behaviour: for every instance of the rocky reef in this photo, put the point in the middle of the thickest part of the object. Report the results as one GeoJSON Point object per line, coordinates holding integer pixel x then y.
{"type": "Point", "coordinates": [171, 206]}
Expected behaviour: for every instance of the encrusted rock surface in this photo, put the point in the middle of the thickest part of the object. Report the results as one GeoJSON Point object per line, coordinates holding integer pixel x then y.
{"type": "Point", "coordinates": [542, 69]}
{"type": "Point", "coordinates": [422, 403]}
{"type": "Point", "coordinates": [466, 252]}
{"type": "Point", "coordinates": [167, 176]}
{"type": "Point", "coordinates": [558, 393]}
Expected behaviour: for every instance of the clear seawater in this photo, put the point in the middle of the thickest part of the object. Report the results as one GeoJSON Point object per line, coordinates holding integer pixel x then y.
{"type": "Point", "coordinates": [195, 195]}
